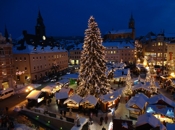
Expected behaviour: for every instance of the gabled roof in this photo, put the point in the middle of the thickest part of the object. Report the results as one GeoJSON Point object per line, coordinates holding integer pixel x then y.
{"type": "Point", "coordinates": [148, 118]}
{"type": "Point", "coordinates": [139, 100]}
{"type": "Point", "coordinates": [154, 99]}
{"type": "Point", "coordinates": [34, 94]}
{"type": "Point", "coordinates": [89, 99]}
{"type": "Point", "coordinates": [75, 98]}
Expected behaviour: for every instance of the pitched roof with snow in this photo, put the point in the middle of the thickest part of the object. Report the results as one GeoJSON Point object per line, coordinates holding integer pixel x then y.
{"type": "Point", "coordinates": [89, 99]}
{"type": "Point", "coordinates": [29, 49]}
{"type": "Point", "coordinates": [111, 96]}
{"type": "Point", "coordinates": [75, 99]}
{"type": "Point", "coordinates": [34, 94]}
{"type": "Point", "coordinates": [154, 99]}
{"type": "Point", "coordinates": [139, 100]}
{"type": "Point", "coordinates": [119, 44]}
{"type": "Point", "coordinates": [148, 118]}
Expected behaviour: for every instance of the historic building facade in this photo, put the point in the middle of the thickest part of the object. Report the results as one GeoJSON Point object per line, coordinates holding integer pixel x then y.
{"type": "Point", "coordinates": [37, 56]}
{"type": "Point", "coordinates": [116, 51]}
{"type": "Point", "coordinates": [6, 62]}
{"type": "Point", "coordinates": [156, 47]}
{"type": "Point", "coordinates": [125, 33]}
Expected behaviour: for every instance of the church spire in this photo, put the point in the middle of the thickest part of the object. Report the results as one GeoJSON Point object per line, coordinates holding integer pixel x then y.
{"type": "Point", "coordinates": [131, 22]}
{"type": "Point", "coordinates": [6, 34]}
{"type": "Point", "coordinates": [40, 27]}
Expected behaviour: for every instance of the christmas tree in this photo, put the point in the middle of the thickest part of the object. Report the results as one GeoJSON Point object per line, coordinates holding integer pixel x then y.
{"type": "Point", "coordinates": [92, 77]}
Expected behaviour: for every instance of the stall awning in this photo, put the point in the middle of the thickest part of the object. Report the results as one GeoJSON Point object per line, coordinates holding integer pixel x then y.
{"type": "Point", "coordinates": [34, 94]}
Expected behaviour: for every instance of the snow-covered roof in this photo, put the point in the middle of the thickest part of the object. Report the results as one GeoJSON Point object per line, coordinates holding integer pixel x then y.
{"type": "Point", "coordinates": [34, 94]}
{"type": "Point", "coordinates": [111, 96]}
{"type": "Point", "coordinates": [139, 100]}
{"type": "Point", "coordinates": [30, 49]}
{"type": "Point", "coordinates": [118, 73]}
{"type": "Point", "coordinates": [120, 31]}
{"type": "Point", "coordinates": [66, 90]}
{"type": "Point", "coordinates": [61, 95]}
{"type": "Point", "coordinates": [119, 45]}
{"type": "Point", "coordinates": [47, 89]}
{"type": "Point", "coordinates": [89, 99]}
{"type": "Point", "coordinates": [154, 99]}
{"type": "Point", "coordinates": [75, 99]}
{"type": "Point", "coordinates": [148, 118]}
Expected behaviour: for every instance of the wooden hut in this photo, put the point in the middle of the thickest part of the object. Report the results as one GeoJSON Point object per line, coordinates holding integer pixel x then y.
{"type": "Point", "coordinates": [73, 101]}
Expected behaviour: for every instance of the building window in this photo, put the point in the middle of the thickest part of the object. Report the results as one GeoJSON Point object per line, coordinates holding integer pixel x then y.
{"type": "Point", "coordinates": [24, 58]}
{"type": "Point", "coordinates": [1, 51]}
{"type": "Point", "coordinates": [20, 59]}
{"type": "Point", "coordinates": [33, 58]}
{"type": "Point", "coordinates": [18, 77]}
{"type": "Point", "coordinates": [17, 68]}
{"type": "Point", "coordinates": [25, 68]}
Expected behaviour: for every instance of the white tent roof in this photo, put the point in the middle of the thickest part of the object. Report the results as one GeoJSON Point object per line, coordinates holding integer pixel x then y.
{"type": "Point", "coordinates": [34, 94]}
{"type": "Point", "coordinates": [61, 95]}
{"type": "Point", "coordinates": [111, 96]}
{"type": "Point", "coordinates": [89, 99]}
{"type": "Point", "coordinates": [154, 99]}
{"type": "Point", "coordinates": [47, 89]}
{"type": "Point", "coordinates": [75, 98]}
{"type": "Point", "coordinates": [139, 100]}
{"type": "Point", "coordinates": [150, 119]}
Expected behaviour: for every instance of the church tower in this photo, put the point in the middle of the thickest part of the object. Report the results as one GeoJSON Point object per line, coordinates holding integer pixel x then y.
{"type": "Point", "coordinates": [132, 26]}
{"type": "Point", "coordinates": [131, 22]}
{"type": "Point", "coordinates": [40, 28]}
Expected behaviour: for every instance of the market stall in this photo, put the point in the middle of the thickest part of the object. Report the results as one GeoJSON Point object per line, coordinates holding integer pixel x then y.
{"type": "Point", "coordinates": [147, 122]}
{"type": "Point", "coordinates": [162, 108]}
{"type": "Point", "coordinates": [110, 100]}
{"type": "Point", "coordinates": [49, 91]}
{"type": "Point", "coordinates": [63, 94]}
{"type": "Point", "coordinates": [73, 101]}
{"type": "Point", "coordinates": [136, 105]}
{"type": "Point", "coordinates": [35, 97]}
{"type": "Point", "coordinates": [89, 102]}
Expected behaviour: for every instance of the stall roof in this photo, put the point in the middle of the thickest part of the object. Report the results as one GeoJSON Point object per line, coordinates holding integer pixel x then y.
{"type": "Point", "coordinates": [148, 118]}
{"type": "Point", "coordinates": [65, 90]}
{"type": "Point", "coordinates": [89, 99]}
{"type": "Point", "coordinates": [47, 89]}
{"type": "Point", "coordinates": [118, 73]}
{"type": "Point", "coordinates": [61, 95]}
{"type": "Point", "coordinates": [34, 94]}
{"type": "Point", "coordinates": [111, 96]}
{"type": "Point", "coordinates": [75, 98]}
{"type": "Point", "coordinates": [154, 99]}
{"type": "Point", "coordinates": [139, 100]}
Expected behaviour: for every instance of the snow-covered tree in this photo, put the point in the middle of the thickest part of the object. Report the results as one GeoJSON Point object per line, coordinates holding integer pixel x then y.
{"type": "Point", "coordinates": [92, 73]}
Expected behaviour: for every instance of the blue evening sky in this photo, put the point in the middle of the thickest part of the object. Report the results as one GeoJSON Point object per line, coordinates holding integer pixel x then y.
{"type": "Point", "coordinates": [70, 17]}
